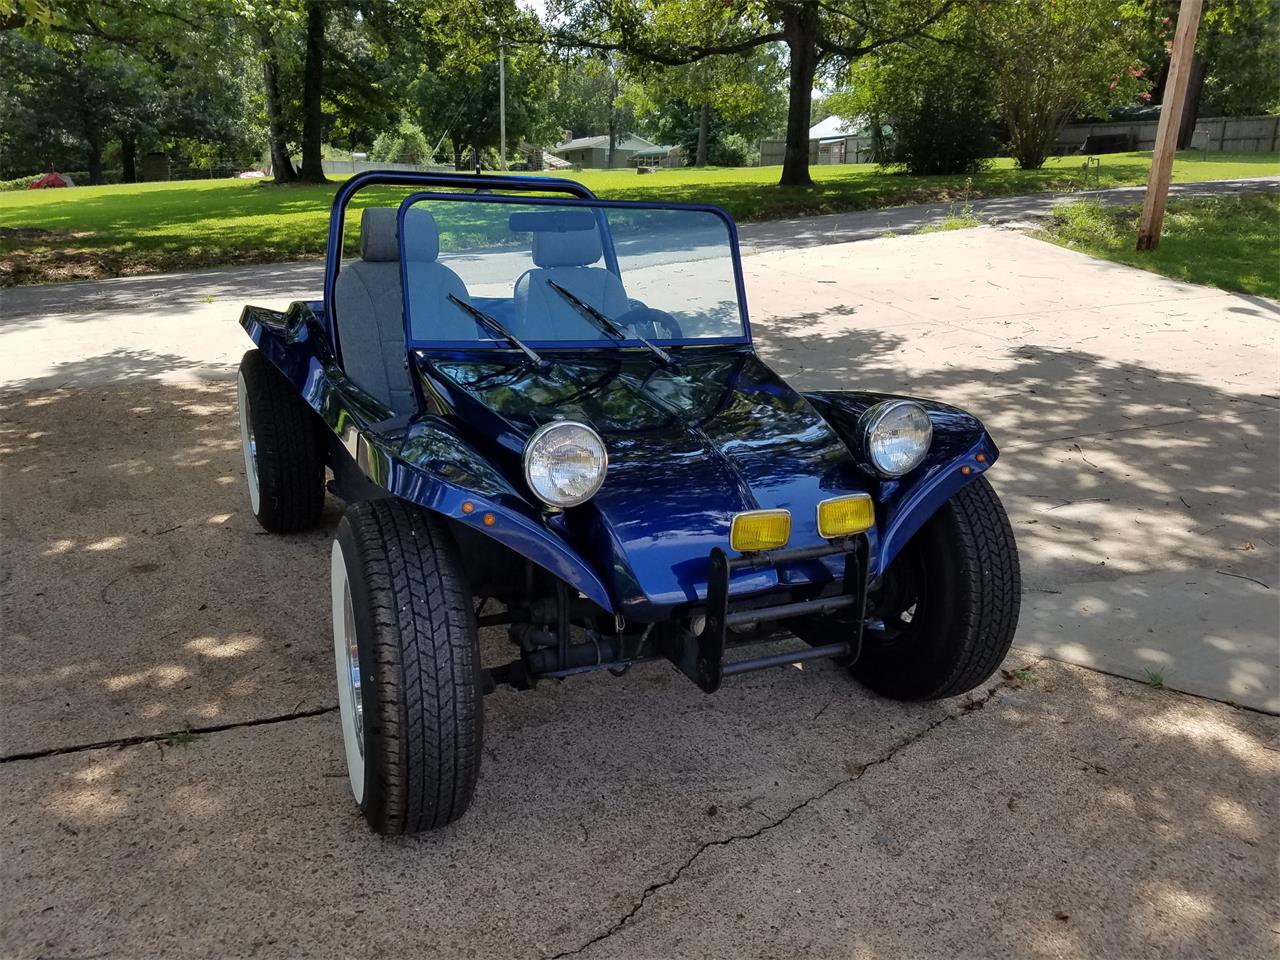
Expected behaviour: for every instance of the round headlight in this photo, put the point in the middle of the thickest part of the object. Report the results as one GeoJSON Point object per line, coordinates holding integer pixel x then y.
{"type": "Point", "coordinates": [897, 434]}
{"type": "Point", "coordinates": [565, 463]}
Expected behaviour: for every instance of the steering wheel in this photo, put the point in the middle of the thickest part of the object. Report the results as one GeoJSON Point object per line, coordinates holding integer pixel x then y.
{"type": "Point", "coordinates": [651, 323]}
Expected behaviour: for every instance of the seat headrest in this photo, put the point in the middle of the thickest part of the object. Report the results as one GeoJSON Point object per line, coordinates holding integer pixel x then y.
{"type": "Point", "coordinates": [567, 248]}
{"type": "Point", "coordinates": [380, 242]}
{"type": "Point", "coordinates": [421, 235]}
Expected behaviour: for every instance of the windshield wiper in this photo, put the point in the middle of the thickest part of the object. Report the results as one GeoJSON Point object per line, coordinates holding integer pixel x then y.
{"type": "Point", "coordinates": [609, 326]}
{"type": "Point", "coordinates": [493, 324]}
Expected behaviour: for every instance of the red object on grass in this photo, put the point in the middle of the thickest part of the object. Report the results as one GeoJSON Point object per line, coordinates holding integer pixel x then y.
{"type": "Point", "coordinates": [49, 180]}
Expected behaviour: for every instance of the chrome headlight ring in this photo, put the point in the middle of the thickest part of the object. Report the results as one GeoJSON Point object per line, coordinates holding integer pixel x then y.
{"type": "Point", "coordinates": [565, 463]}
{"type": "Point", "coordinates": [895, 436]}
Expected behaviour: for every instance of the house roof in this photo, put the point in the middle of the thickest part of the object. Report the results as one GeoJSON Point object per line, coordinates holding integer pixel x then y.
{"type": "Point", "coordinates": [655, 151]}
{"type": "Point", "coordinates": [629, 143]}
{"type": "Point", "coordinates": [831, 128]}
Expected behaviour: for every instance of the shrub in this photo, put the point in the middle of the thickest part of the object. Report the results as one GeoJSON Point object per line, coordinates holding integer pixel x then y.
{"type": "Point", "coordinates": [405, 144]}
{"type": "Point", "coordinates": [732, 150]}
{"type": "Point", "coordinates": [937, 101]}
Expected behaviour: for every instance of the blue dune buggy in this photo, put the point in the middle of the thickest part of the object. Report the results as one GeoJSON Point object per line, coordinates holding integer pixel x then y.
{"type": "Point", "coordinates": [544, 412]}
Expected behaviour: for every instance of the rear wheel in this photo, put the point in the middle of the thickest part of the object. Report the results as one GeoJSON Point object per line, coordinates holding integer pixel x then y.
{"type": "Point", "coordinates": [408, 667]}
{"type": "Point", "coordinates": [283, 467]}
{"type": "Point", "coordinates": [946, 609]}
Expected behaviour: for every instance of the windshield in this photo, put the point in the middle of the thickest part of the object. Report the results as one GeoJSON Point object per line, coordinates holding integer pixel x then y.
{"type": "Point", "coordinates": [496, 271]}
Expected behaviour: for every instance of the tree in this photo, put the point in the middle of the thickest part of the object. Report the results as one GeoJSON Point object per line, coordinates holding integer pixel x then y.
{"type": "Point", "coordinates": [405, 144]}
{"type": "Point", "coordinates": [80, 91]}
{"type": "Point", "coordinates": [1237, 48]}
{"type": "Point", "coordinates": [459, 103]}
{"type": "Point", "coordinates": [703, 105]}
{"type": "Point", "coordinates": [146, 72]}
{"type": "Point", "coordinates": [816, 34]}
{"type": "Point", "coordinates": [934, 95]}
{"type": "Point", "coordinates": [312, 170]}
{"type": "Point", "coordinates": [583, 96]}
{"type": "Point", "coordinates": [1052, 59]}
{"type": "Point", "coordinates": [1240, 46]}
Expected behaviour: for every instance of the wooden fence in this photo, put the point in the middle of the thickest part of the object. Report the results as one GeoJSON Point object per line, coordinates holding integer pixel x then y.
{"type": "Point", "coordinates": [842, 150]}
{"type": "Point", "coordinates": [1237, 134]}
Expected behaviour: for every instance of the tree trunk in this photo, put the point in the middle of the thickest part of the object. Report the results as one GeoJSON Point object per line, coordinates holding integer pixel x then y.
{"type": "Point", "coordinates": [312, 170]}
{"type": "Point", "coordinates": [129, 155]}
{"type": "Point", "coordinates": [93, 150]}
{"type": "Point", "coordinates": [613, 116]}
{"type": "Point", "coordinates": [281, 166]}
{"type": "Point", "coordinates": [704, 117]}
{"type": "Point", "coordinates": [800, 26]}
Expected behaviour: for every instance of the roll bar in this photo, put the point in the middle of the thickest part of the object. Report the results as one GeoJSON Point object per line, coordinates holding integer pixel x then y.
{"type": "Point", "coordinates": [411, 178]}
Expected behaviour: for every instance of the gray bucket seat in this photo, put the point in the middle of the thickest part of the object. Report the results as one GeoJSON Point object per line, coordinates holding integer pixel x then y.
{"type": "Point", "coordinates": [566, 256]}
{"type": "Point", "coordinates": [369, 304]}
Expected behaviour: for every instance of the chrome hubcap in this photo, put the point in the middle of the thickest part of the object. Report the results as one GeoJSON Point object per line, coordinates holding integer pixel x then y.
{"type": "Point", "coordinates": [346, 656]}
{"type": "Point", "coordinates": [248, 444]}
{"type": "Point", "coordinates": [353, 666]}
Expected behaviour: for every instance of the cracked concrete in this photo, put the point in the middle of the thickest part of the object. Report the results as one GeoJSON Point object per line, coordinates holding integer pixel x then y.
{"type": "Point", "coordinates": [958, 832]}
{"type": "Point", "coordinates": [968, 705]}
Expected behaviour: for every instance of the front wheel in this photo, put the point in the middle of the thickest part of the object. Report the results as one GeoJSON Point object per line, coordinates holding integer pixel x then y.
{"type": "Point", "coordinates": [408, 667]}
{"type": "Point", "coordinates": [943, 617]}
{"type": "Point", "coordinates": [283, 466]}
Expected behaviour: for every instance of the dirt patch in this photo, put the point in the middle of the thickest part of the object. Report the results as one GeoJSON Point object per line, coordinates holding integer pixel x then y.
{"type": "Point", "coordinates": [29, 255]}
{"type": "Point", "coordinates": [14, 235]}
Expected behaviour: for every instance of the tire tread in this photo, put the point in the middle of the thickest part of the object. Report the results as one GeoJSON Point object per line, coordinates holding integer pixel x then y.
{"type": "Point", "coordinates": [290, 465]}
{"type": "Point", "coordinates": [429, 711]}
{"type": "Point", "coordinates": [985, 538]}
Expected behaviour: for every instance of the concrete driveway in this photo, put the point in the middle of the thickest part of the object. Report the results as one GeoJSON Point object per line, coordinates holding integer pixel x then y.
{"type": "Point", "coordinates": [1062, 811]}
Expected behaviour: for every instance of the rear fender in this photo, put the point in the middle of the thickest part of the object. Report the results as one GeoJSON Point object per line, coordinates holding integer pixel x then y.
{"type": "Point", "coordinates": [423, 461]}
{"type": "Point", "coordinates": [905, 504]}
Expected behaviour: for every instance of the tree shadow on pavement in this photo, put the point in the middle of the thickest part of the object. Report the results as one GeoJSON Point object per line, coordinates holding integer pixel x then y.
{"type": "Point", "coordinates": [118, 367]}
{"type": "Point", "coordinates": [166, 296]}
{"type": "Point", "coordinates": [793, 813]}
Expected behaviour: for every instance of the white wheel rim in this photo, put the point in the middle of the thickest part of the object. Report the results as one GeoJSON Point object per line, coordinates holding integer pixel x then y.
{"type": "Point", "coordinates": [347, 663]}
{"type": "Point", "coordinates": [248, 445]}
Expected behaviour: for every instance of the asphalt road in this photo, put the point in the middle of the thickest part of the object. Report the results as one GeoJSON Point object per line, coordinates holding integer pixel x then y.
{"type": "Point", "coordinates": [1059, 812]}
{"type": "Point", "coordinates": [869, 224]}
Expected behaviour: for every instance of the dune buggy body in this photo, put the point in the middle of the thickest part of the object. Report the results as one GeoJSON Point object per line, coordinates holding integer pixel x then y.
{"type": "Point", "coordinates": [483, 309]}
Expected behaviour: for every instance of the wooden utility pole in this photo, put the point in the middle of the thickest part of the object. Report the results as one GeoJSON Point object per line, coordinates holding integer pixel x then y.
{"type": "Point", "coordinates": [1175, 92]}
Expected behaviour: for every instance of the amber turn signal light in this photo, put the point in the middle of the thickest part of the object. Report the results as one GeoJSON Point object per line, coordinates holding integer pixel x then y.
{"type": "Point", "coordinates": [760, 530]}
{"type": "Point", "coordinates": [845, 516]}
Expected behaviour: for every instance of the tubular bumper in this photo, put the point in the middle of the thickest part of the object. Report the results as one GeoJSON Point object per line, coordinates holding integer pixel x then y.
{"type": "Point", "coordinates": [702, 660]}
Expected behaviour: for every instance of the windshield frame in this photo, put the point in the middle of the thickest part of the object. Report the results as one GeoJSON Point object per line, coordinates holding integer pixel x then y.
{"type": "Point", "coordinates": [610, 263]}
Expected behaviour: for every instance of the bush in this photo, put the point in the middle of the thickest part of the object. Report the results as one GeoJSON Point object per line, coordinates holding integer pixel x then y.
{"type": "Point", "coordinates": [732, 150]}
{"type": "Point", "coordinates": [941, 109]}
{"type": "Point", "coordinates": [948, 129]}
{"type": "Point", "coordinates": [406, 144]}
{"type": "Point", "coordinates": [936, 98]}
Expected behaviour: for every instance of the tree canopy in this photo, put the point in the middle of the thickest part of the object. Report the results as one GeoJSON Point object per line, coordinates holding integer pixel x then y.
{"type": "Point", "coordinates": [95, 85]}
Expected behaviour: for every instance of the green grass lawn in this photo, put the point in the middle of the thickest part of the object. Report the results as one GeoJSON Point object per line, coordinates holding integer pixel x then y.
{"type": "Point", "coordinates": [1227, 242]}
{"type": "Point", "coordinates": [143, 228]}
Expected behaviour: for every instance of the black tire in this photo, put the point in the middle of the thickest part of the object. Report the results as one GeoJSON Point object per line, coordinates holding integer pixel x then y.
{"type": "Point", "coordinates": [949, 602]}
{"type": "Point", "coordinates": [281, 447]}
{"type": "Point", "coordinates": [419, 679]}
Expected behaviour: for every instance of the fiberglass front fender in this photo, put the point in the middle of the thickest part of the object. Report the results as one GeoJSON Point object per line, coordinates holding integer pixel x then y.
{"type": "Point", "coordinates": [422, 460]}
{"type": "Point", "coordinates": [961, 451]}
{"type": "Point", "coordinates": [436, 469]}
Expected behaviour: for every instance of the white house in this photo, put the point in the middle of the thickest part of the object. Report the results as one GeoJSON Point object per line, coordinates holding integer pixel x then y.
{"type": "Point", "coordinates": [593, 152]}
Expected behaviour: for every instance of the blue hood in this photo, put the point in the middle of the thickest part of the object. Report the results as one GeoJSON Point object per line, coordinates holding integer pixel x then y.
{"type": "Point", "coordinates": [688, 448]}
